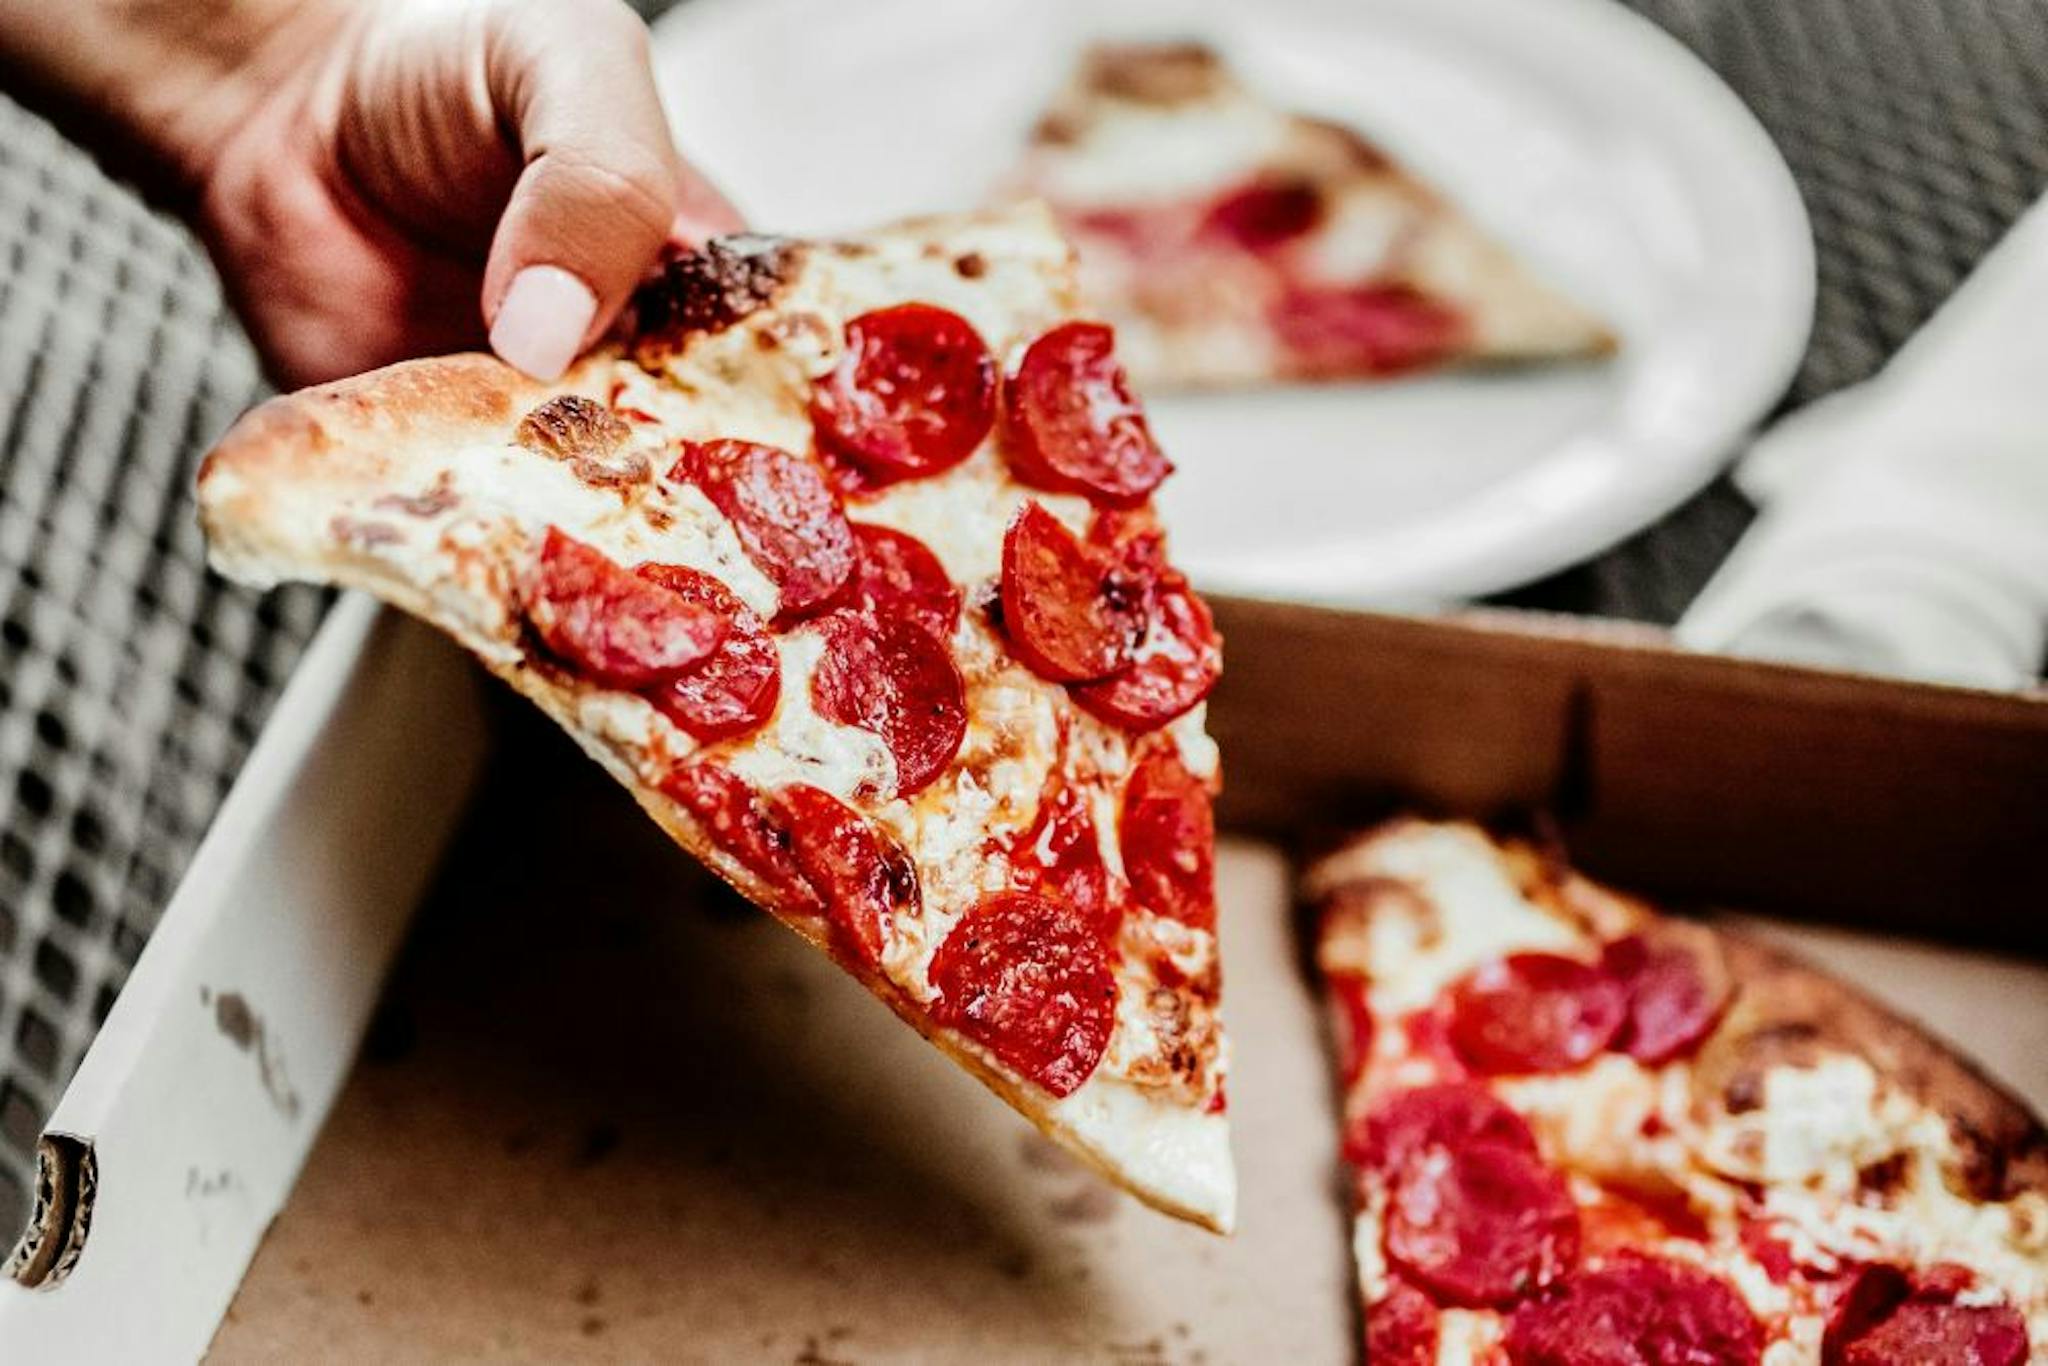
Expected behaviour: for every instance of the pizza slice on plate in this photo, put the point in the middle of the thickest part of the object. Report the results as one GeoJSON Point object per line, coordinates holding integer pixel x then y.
{"type": "Point", "coordinates": [1233, 242]}
{"type": "Point", "coordinates": [1586, 1132]}
{"type": "Point", "coordinates": [843, 562]}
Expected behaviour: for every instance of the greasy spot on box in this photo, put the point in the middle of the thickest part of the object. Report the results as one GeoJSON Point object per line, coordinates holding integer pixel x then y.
{"type": "Point", "coordinates": [243, 1028]}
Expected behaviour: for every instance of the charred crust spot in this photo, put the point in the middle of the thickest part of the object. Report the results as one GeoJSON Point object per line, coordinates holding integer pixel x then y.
{"type": "Point", "coordinates": [970, 265]}
{"type": "Point", "coordinates": [587, 435]}
{"type": "Point", "coordinates": [722, 283]}
{"type": "Point", "coordinates": [361, 535]}
{"type": "Point", "coordinates": [902, 876]}
{"type": "Point", "coordinates": [571, 427]}
{"type": "Point", "coordinates": [1169, 1011]}
{"type": "Point", "coordinates": [1885, 1177]}
{"type": "Point", "coordinates": [1365, 898]}
{"type": "Point", "coordinates": [800, 329]}
{"type": "Point", "coordinates": [1743, 1094]}
{"type": "Point", "coordinates": [619, 474]}
{"type": "Point", "coordinates": [1999, 1162]}
{"type": "Point", "coordinates": [1154, 73]}
{"type": "Point", "coordinates": [1057, 130]}
{"type": "Point", "coordinates": [1790, 1015]}
{"type": "Point", "coordinates": [437, 499]}
{"type": "Point", "coordinates": [987, 599]}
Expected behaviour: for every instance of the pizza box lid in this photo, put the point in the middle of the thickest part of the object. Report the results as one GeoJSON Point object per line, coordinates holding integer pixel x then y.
{"type": "Point", "coordinates": [620, 1117]}
{"type": "Point", "coordinates": [1814, 794]}
{"type": "Point", "coordinates": [618, 1132]}
{"type": "Point", "coordinates": [181, 1133]}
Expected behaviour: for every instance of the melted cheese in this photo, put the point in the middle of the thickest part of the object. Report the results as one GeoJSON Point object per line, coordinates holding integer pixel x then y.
{"type": "Point", "coordinates": [801, 746]}
{"type": "Point", "coordinates": [1366, 1249]}
{"type": "Point", "coordinates": [1363, 233]}
{"type": "Point", "coordinates": [1133, 153]}
{"type": "Point", "coordinates": [1594, 1120]}
{"type": "Point", "coordinates": [629, 723]}
{"type": "Point", "coordinates": [1475, 913]}
{"type": "Point", "coordinates": [1468, 1337]}
{"type": "Point", "coordinates": [1191, 736]}
{"type": "Point", "coordinates": [1821, 1125]}
{"type": "Point", "coordinates": [962, 518]}
{"type": "Point", "coordinates": [1919, 1219]}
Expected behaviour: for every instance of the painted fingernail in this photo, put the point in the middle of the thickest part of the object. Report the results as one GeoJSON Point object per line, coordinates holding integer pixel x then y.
{"type": "Point", "coordinates": [540, 325]}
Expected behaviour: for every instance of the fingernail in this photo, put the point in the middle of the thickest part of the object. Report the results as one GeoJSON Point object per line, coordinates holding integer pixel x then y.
{"type": "Point", "coordinates": [540, 325]}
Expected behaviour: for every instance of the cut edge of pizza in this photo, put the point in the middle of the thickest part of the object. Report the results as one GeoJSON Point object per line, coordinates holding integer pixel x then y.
{"type": "Point", "coordinates": [841, 559]}
{"type": "Point", "coordinates": [1234, 242]}
{"type": "Point", "coordinates": [1582, 1129]}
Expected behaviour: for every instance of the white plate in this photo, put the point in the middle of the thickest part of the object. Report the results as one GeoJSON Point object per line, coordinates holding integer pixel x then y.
{"type": "Point", "coordinates": [1602, 150]}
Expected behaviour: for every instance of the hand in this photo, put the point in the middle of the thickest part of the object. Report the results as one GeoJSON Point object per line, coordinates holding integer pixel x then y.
{"type": "Point", "coordinates": [378, 179]}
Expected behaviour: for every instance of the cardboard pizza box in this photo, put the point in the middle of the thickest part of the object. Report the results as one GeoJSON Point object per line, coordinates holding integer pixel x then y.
{"type": "Point", "coordinates": [609, 1114]}
{"type": "Point", "coordinates": [186, 1123]}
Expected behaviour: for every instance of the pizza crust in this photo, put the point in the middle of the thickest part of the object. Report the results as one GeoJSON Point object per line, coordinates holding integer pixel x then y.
{"type": "Point", "coordinates": [270, 490]}
{"type": "Point", "coordinates": [1791, 1013]}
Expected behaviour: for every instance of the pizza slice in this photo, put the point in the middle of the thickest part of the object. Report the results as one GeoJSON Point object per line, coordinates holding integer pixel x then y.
{"type": "Point", "coordinates": [1586, 1132]}
{"type": "Point", "coordinates": [843, 562]}
{"type": "Point", "coordinates": [1233, 242]}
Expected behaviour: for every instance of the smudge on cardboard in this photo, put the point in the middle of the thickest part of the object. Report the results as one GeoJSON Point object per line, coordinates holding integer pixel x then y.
{"type": "Point", "coordinates": [243, 1028]}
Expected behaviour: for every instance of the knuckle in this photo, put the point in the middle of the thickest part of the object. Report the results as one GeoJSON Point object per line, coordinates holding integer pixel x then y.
{"type": "Point", "coordinates": [630, 180]}
{"type": "Point", "coordinates": [616, 19]}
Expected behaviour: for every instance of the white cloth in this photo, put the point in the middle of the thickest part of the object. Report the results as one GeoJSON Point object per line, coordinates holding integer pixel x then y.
{"type": "Point", "coordinates": [1905, 523]}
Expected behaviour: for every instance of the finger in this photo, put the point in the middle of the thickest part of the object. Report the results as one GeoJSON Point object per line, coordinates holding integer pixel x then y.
{"type": "Point", "coordinates": [705, 212]}
{"type": "Point", "coordinates": [602, 185]}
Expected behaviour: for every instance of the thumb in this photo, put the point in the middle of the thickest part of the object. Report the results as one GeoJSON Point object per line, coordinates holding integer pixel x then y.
{"type": "Point", "coordinates": [601, 187]}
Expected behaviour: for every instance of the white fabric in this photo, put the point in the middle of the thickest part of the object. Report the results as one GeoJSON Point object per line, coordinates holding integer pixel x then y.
{"type": "Point", "coordinates": [1905, 524]}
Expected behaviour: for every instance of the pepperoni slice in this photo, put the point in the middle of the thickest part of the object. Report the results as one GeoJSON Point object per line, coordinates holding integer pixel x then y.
{"type": "Point", "coordinates": [1427, 1033]}
{"type": "Point", "coordinates": [1450, 1114]}
{"type": "Point", "coordinates": [1265, 215]}
{"type": "Point", "coordinates": [1637, 1309]}
{"type": "Point", "coordinates": [1943, 1281]}
{"type": "Point", "coordinates": [1886, 1316]}
{"type": "Point", "coordinates": [1480, 1224]}
{"type": "Point", "coordinates": [1177, 664]}
{"type": "Point", "coordinates": [1534, 1012]}
{"type": "Point", "coordinates": [787, 518]}
{"type": "Point", "coordinates": [1352, 1006]}
{"type": "Point", "coordinates": [864, 879]}
{"type": "Point", "coordinates": [612, 626]}
{"type": "Point", "coordinates": [1401, 1327]}
{"type": "Point", "coordinates": [1169, 839]}
{"type": "Point", "coordinates": [897, 576]}
{"type": "Point", "coordinates": [1027, 978]}
{"type": "Point", "coordinates": [896, 679]}
{"type": "Point", "coordinates": [1072, 423]}
{"type": "Point", "coordinates": [735, 690]}
{"type": "Point", "coordinates": [1919, 1332]}
{"type": "Point", "coordinates": [1370, 329]}
{"type": "Point", "coordinates": [1072, 610]}
{"type": "Point", "coordinates": [1872, 1293]}
{"type": "Point", "coordinates": [745, 826]}
{"type": "Point", "coordinates": [1769, 1251]}
{"type": "Point", "coordinates": [913, 394]}
{"type": "Point", "coordinates": [1061, 856]}
{"type": "Point", "coordinates": [1676, 993]}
